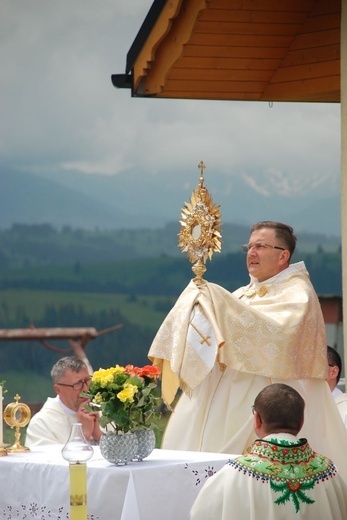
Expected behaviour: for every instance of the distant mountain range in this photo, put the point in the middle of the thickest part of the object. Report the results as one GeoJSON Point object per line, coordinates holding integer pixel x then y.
{"type": "Point", "coordinates": [135, 200]}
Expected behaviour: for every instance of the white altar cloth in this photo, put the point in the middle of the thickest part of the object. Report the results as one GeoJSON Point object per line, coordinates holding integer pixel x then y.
{"type": "Point", "coordinates": [35, 485]}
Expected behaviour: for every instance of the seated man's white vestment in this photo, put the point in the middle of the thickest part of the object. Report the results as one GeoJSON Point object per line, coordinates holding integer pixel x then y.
{"type": "Point", "coordinates": [51, 425]}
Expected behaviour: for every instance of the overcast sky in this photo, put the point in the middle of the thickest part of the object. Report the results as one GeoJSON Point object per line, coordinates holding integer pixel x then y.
{"type": "Point", "coordinates": [59, 109]}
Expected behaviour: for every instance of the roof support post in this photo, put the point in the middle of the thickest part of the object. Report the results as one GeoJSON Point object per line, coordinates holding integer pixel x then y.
{"type": "Point", "coordinates": [344, 171]}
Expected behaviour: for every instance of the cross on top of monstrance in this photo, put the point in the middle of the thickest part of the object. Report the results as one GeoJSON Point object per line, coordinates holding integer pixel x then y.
{"type": "Point", "coordinates": [200, 234]}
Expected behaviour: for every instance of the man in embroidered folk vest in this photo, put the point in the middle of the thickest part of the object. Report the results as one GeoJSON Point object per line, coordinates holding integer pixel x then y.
{"type": "Point", "coordinates": [223, 348]}
{"type": "Point", "coordinates": [281, 477]}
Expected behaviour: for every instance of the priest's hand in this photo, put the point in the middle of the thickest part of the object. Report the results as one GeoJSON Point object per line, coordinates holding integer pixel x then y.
{"type": "Point", "coordinates": [90, 423]}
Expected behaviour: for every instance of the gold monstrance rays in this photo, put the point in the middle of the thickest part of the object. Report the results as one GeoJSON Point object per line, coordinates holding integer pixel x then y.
{"type": "Point", "coordinates": [200, 234]}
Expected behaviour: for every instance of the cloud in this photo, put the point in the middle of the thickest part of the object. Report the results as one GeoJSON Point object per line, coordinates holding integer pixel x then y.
{"type": "Point", "coordinates": [60, 110]}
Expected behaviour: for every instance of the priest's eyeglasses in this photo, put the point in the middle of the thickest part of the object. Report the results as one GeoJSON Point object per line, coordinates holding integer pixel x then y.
{"type": "Point", "coordinates": [79, 384]}
{"type": "Point", "coordinates": [259, 246]}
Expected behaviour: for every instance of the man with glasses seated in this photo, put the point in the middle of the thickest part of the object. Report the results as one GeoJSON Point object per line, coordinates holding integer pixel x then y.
{"type": "Point", "coordinates": [52, 424]}
{"type": "Point", "coordinates": [222, 348]}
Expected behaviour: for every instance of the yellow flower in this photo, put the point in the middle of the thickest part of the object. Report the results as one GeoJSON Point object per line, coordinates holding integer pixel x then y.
{"type": "Point", "coordinates": [104, 376]}
{"type": "Point", "coordinates": [105, 380]}
{"type": "Point", "coordinates": [117, 369]}
{"type": "Point", "coordinates": [127, 394]}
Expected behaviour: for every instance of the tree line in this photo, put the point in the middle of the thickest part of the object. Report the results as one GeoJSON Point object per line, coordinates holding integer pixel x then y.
{"type": "Point", "coordinates": [161, 276]}
{"type": "Point", "coordinates": [34, 245]}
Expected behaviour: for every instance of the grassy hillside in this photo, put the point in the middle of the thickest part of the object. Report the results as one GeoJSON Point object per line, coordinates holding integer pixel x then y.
{"type": "Point", "coordinates": [147, 311]}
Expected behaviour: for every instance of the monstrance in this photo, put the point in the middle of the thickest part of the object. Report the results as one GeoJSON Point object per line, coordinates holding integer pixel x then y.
{"type": "Point", "coordinates": [200, 234]}
{"type": "Point", "coordinates": [17, 415]}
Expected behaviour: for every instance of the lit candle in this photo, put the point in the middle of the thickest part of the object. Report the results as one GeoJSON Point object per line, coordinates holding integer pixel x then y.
{"type": "Point", "coordinates": [78, 491]}
{"type": "Point", "coordinates": [1, 421]}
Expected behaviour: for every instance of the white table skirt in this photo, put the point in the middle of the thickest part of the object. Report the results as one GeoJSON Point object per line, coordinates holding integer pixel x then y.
{"type": "Point", "coordinates": [35, 485]}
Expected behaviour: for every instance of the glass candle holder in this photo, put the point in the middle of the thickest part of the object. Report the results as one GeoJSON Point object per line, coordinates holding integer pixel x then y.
{"type": "Point", "coordinates": [77, 451]}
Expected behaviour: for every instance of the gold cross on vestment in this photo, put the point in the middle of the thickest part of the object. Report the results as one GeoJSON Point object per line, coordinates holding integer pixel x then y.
{"type": "Point", "coordinates": [204, 338]}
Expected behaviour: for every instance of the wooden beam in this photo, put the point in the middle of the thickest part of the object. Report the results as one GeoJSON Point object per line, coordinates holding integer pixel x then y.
{"type": "Point", "coordinates": [50, 333]}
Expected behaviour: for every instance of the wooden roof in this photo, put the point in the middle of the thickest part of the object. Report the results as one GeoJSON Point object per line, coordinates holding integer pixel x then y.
{"type": "Point", "coordinates": [250, 50]}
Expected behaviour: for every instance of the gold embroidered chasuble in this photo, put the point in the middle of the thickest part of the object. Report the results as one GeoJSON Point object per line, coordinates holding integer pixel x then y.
{"type": "Point", "coordinates": [222, 349]}
{"type": "Point", "coordinates": [273, 329]}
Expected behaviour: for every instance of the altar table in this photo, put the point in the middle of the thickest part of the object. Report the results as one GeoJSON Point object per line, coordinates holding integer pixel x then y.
{"type": "Point", "coordinates": [35, 485]}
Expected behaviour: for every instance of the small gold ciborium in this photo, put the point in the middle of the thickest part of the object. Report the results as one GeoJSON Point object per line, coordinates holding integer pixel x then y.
{"type": "Point", "coordinates": [17, 415]}
{"type": "Point", "coordinates": [200, 234]}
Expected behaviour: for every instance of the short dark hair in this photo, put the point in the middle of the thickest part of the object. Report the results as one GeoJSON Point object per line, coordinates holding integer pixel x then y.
{"type": "Point", "coordinates": [334, 360]}
{"type": "Point", "coordinates": [280, 407]}
{"type": "Point", "coordinates": [283, 232]}
{"type": "Point", "coordinates": [66, 363]}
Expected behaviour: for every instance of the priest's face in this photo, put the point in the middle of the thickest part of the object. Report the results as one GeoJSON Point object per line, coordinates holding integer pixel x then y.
{"type": "Point", "coordinates": [264, 261]}
{"type": "Point", "coordinates": [70, 387]}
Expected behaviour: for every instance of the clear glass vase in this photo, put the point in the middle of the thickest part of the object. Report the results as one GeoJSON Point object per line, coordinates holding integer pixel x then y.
{"type": "Point", "coordinates": [118, 447]}
{"type": "Point", "coordinates": [145, 443]}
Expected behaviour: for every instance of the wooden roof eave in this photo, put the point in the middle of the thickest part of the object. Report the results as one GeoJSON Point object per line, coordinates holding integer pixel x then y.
{"type": "Point", "coordinates": [164, 45]}
{"type": "Point", "coordinates": [126, 80]}
{"type": "Point", "coordinates": [166, 60]}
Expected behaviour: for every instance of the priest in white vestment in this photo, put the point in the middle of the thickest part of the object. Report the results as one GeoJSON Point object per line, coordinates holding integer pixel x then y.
{"type": "Point", "coordinates": [222, 348]}
{"type": "Point", "coordinates": [52, 424]}
{"type": "Point", "coordinates": [281, 477]}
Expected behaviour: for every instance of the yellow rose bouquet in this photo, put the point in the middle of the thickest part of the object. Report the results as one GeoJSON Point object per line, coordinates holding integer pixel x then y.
{"type": "Point", "coordinates": [126, 397]}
